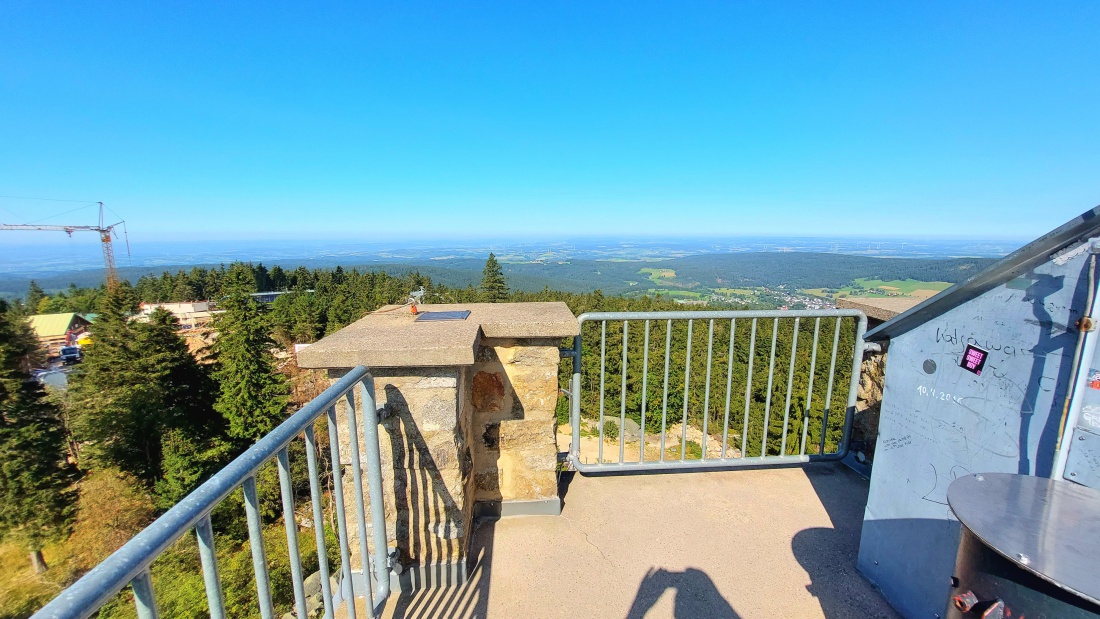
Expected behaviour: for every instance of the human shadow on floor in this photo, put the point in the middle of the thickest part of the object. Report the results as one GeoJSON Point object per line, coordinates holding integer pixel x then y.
{"type": "Point", "coordinates": [696, 595]}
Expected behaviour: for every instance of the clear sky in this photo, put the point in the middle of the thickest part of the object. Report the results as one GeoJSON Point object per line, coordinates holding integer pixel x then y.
{"type": "Point", "coordinates": [466, 119]}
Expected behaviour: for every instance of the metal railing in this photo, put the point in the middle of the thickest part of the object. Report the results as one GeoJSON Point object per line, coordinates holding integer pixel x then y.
{"type": "Point", "coordinates": [739, 346]}
{"type": "Point", "coordinates": [130, 565]}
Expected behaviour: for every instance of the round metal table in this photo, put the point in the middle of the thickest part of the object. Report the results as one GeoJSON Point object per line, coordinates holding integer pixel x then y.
{"type": "Point", "coordinates": [1029, 544]}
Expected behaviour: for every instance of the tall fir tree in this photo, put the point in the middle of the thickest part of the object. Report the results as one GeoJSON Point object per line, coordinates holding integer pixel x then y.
{"type": "Point", "coordinates": [35, 294]}
{"type": "Point", "coordinates": [492, 288]}
{"type": "Point", "coordinates": [138, 382]}
{"type": "Point", "coordinates": [253, 394]}
{"type": "Point", "coordinates": [36, 482]}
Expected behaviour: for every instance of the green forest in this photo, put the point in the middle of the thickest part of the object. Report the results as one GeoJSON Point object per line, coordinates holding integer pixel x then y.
{"type": "Point", "coordinates": [794, 270]}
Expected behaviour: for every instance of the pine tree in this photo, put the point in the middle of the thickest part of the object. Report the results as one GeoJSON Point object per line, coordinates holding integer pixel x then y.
{"type": "Point", "coordinates": [36, 494]}
{"type": "Point", "coordinates": [138, 382]}
{"type": "Point", "coordinates": [253, 395]}
{"type": "Point", "coordinates": [35, 294]}
{"type": "Point", "coordinates": [493, 289]}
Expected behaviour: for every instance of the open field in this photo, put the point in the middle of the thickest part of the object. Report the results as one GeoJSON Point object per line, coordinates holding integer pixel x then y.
{"type": "Point", "coordinates": [678, 294]}
{"type": "Point", "coordinates": [872, 288]}
{"type": "Point", "coordinates": [656, 275]}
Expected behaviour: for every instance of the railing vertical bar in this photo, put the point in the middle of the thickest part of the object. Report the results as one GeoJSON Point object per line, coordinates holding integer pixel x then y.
{"type": "Point", "coordinates": [374, 481]}
{"type": "Point", "coordinates": [790, 386]}
{"type": "Point", "coordinates": [853, 385]}
{"type": "Point", "coordinates": [809, 391]}
{"type": "Point", "coordinates": [603, 375]}
{"type": "Point", "coordinates": [575, 399]}
{"type": "Point", "coordinates": [291, 526]}
{"type": "Point", "coordinates": [706, 390]}
{"type": "Point", "coordinates": [768, 398]}
{"type": "Point", "coordinates": [748, 390]}
{"type": "Point", "coordinates": [622, 398]}
{"type": "Point", "coordinates": [209, 560]}
{"type": "Point", "coordinates": [256, 540]}
{"type": "Point", "coordinates": [144, 599]}
{"type": "Point", "coordinates": [729, 388]}
{"type": "Point", "coordinates": [318, 519]}
{"type": "Point", "coordinates": [645, 376]}
{"type": "Point", "coordinates": [360, 505]}
{"type": "Point", "coordinates": [829, 390]}
{"type": "Point", "coordinates": [664, 405]}
{"type": "Point", "coordinates": [687, 392]}
{"type": "Point", "coordinates": [341, 517]}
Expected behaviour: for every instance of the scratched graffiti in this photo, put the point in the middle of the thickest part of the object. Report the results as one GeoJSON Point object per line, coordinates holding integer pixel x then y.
{"type": "Point", "coordinates": [1090, 415]}
{"type": "Point", "coordinates": [897, 442]}
{"type": "Point", "coordinates": [932, 392]}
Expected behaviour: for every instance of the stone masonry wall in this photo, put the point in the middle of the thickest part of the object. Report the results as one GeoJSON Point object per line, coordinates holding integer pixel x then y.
{"type": "Point", "coordinates": [512, 396]}
{"type": "Point", "coordinates": [425, 466]}
{"type": "Point", "coordinates": [868, 402]}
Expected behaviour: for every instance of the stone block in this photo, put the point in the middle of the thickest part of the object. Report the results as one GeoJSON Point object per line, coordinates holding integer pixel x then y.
{"type": "Point", "coordinates": [525, 434]}
{"type": "Point", "coordinates": [487, 392]}
{"type": "Point", "coordinates": [520, 483]}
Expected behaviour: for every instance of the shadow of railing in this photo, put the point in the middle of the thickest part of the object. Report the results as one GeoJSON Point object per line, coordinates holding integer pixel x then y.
{"type": "Point", "coordinates": [466, 601]}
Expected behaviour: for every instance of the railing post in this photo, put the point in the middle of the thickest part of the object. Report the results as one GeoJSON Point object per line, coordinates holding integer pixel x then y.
{"type": "Point", "coordinates": [256, 540]}
{"type": "Point", "coordinates": [374, 480]}
{"type": "Point", "coordinates": [144, 600]}
{"type": "Point", "coordinates": [215, 602]}
{"type": "Point", "coordinates": [575, 400]}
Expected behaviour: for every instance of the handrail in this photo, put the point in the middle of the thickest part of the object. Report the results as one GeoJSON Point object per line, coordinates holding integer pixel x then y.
{"type": "Point", "coordinates": [729, 457]}
{"type": "Point", "coordinates": [130, 563]}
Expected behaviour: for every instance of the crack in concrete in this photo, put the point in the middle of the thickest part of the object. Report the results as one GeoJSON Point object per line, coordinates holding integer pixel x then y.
{"type": "Point", "coordinates": [588, 541]}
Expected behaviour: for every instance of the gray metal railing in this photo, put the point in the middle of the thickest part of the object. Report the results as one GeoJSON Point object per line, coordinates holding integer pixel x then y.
{"type": "Point", "coordinates": [817, 430]}
{"type": "Point", "coordinates": [130, 565]}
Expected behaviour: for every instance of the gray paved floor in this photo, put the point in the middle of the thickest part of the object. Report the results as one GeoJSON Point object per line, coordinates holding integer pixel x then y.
{"type": "Point", "coordinates": [742, 544]}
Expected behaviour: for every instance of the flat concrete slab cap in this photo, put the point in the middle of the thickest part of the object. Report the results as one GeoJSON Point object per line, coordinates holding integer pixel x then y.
{"type": "Point", "coordinates": [392, 337]}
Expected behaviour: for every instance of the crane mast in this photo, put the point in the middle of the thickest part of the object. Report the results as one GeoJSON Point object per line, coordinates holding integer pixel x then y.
{"type": "Point", "coordinates": [105, 238]}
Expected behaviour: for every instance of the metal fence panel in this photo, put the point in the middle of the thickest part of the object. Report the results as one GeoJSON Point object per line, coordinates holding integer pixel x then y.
{"type": "Point", "coordinates": [695, 369]}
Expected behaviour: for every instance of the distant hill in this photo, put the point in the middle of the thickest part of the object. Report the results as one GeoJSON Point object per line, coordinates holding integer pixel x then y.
{"type": "Point", "coordinates": [795, 270]}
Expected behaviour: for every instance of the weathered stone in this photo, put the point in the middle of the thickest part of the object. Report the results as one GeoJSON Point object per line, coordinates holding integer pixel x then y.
{"type": "Point", "coordinates": [868, 402]}
{"type": "Point", "coordinates": [521, 434]}
{"type": "Point", "coordinates": [489, 482]}
{"type": "Point", "coordinates": [312, 583]}
{"type": "Point", "coordinates": [488, 392]}
{"type": "Point", "coordinates": [519, 482]}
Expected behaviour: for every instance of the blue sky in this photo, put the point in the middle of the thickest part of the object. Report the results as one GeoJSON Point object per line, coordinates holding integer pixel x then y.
{"type": "Point", "coordinates": [464, 119]}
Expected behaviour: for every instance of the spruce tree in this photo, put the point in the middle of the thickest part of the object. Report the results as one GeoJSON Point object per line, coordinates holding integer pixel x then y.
{"type": "Point", "coordinates": [35, 294]}
{"type": "Point", "coordinates": [138, 382]}
{"type": "Point", "coordinates": [253, 394]}
{"type": "Point", "coordinates": [36, 494]}
{"type": "Point", "coordinates": [493, 289]}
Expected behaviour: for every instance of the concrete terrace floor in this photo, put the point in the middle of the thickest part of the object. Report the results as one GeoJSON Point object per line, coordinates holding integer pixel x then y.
{"type": "Point", "coordinates": [739, 544]}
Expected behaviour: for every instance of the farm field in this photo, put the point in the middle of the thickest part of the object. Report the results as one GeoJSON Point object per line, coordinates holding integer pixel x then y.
{"type": "Point", "coordinates": [863, 287]}
{"type": "Point", "coordinates": [656, 275]}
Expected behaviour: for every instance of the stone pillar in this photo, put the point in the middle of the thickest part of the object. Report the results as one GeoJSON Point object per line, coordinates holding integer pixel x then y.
{"type": "Point", "coordinates": [468, 428]}
{"type": "Point", "coordinates": [513, 395]}
{"type": "Point", "coordinates": [425, 468]}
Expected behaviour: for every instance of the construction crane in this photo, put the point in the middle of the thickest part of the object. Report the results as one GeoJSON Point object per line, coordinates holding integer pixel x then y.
{"type": "Point", "coordinates": [105, 234]}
